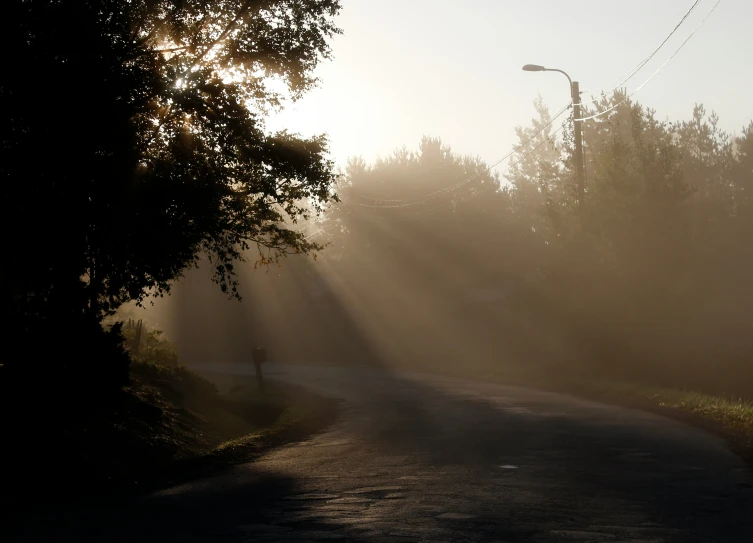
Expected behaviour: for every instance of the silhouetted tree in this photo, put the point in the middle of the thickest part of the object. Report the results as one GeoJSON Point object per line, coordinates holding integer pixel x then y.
{"type": "Point", "coordinates": [133, 142]}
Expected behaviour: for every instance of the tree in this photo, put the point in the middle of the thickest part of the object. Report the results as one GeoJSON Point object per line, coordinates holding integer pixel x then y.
{"type": "Point", "coordinates": [133, 143]}
{"type": "Point", "coordinates": [544, 189]}
{"type": "Point", "coordinates": [594, 256]}
{"type": "Point", "coordinates": [421, 242]}
{"type": "Point", "coordinates": [652, 278]}
{"type": "Point", "coordinates": [414, 200]}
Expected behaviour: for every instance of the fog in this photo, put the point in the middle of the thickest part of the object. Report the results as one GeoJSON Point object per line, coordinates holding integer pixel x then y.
{"type": "Point", "coordinates": [497, 255]}
{"type": "Point", "coordinates": [446, 257]}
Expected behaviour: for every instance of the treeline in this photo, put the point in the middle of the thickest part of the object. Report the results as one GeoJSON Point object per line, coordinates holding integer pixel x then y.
{"type": "Point", "coordinates": [128, 156]}
{"type": "Point", "coordinates": [648, 279]}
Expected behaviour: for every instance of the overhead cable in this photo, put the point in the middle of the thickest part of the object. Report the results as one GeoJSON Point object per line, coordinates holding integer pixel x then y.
{"type": "Point", "coordinates": [655, 73]}
{"type": "Point", "coordinates": [627, 77]}
{"type": "Point", "coordinates": [413, 201]}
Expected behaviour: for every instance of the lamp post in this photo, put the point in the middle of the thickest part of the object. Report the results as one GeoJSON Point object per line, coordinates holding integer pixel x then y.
{"type": "Point", "coordinates": [578, 129]}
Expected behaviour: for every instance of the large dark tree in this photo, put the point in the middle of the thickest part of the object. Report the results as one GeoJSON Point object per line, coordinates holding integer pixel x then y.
{"type": "Point", "coordinates": [133, 142]}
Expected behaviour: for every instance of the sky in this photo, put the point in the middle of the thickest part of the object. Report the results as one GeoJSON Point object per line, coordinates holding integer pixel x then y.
{"type": "Point", "coordinates": [407, 68]}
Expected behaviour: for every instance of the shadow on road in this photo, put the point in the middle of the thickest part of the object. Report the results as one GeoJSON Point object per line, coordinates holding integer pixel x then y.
{"type": "Point", "coordinates": [508, 463]}
{"type": "Point", "coordinates": [528, 459]}
{"type": "Point", "coordinates": [242, 504]}
{"type": "Point", "coordinates": [504, 463]}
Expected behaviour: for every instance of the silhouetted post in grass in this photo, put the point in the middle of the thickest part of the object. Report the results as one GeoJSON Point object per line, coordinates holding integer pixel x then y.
{"type": "Point", "coordinates": [260, 356]}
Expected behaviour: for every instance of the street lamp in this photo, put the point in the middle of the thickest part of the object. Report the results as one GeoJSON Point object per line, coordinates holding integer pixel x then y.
{"type": "Point", "coordinates": [575, 97]}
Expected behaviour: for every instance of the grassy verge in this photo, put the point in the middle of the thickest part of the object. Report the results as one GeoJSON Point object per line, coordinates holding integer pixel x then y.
{"type": "Point", "coordinates": [168, 426]}
{"type": "Point", "coordinates": [283, 414]}
{"type": "Point", "coordinates": [728, 417]}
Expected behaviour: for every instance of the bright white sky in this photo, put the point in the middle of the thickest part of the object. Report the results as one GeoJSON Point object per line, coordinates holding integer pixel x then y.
{"type": "Point", "coordinates": [405, 68]}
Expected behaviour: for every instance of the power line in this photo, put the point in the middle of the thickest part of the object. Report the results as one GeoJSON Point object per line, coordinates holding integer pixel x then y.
{"type": "Point", "coordinates": [627, 77]}
{"type": "Point", "coordinates": [435, 194]}
{"type": "Point", "coordinates": [532, 149]}
{"type": "Point", "coordinates": [414, 201]}
{"type": "Point", "coordinates": [520, 158]}
{"type": "Point", "coordinates": [398, 203]}
{"type": "Point", "coordinates": [434, 211]}
{"type": "Point", "coordinates": [318, 232]}
{"type": "Point", "coordinates": [656, 72]}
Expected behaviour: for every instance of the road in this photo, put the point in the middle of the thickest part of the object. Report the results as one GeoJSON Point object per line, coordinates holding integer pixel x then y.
{"type": "Point", "coordinates": [418, 458]}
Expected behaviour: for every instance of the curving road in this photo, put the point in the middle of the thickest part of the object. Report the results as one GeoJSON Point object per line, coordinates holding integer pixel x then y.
{"type": "Point", "coordinates": [418, 458]}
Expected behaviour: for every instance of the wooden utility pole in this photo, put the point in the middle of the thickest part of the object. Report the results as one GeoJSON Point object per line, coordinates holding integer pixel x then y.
{"type": "Point", "coordinates": [578, 129]}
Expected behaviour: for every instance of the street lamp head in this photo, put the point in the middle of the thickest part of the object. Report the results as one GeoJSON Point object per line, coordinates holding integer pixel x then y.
{"type": "Point", "coordinates": [534, 68]}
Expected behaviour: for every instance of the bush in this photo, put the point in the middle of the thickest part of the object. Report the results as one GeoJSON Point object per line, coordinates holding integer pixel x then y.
{"type": "Point", "coordinates": [150, 347]}
{"type": "Point", "coordinates": [70, 361]}
{"type": "Point", "coordinates": [178, 378]}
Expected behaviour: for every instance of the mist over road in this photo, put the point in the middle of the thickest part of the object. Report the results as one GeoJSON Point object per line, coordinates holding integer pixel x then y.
{"type": "Point", "coordinates": [419, 458]}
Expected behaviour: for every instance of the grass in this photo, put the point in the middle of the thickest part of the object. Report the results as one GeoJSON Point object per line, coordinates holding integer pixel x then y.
{"type": "Point", "coordinates": [283, 413]}
{"type": "Point", "coordinates": [168, 426]}
{"type": "Point", "coordinates": [728, 417]}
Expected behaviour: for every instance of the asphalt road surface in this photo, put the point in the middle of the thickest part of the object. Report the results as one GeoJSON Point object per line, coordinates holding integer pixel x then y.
{"type": "Point", "coordinates": [417, 458]}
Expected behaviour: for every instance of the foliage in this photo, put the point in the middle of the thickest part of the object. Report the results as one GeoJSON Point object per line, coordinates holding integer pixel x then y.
{"type": "Point", "coordinates": [542, 184]}
{"type": "Point", "coordinates": [154, 348]}
{"type": "Point", "coordinates": [651, 279]}
{"type": "Point", "coordinates": [419, 235]}
{"type": "Point", "coordinates": [134, 142]}
{"type": "Point", "coordinates": [417, 201]}
{"type": "Point", "coordinates": [189, 385]}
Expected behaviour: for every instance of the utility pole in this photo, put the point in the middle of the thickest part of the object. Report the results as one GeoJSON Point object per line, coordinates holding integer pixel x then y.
{"type": "Point", "coordinates": [578, 128]}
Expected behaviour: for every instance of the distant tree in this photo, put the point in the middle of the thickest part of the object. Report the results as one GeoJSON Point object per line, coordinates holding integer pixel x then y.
{"type": "Point", "coordinates": [426, 200]}
{"type": "Point", "coordinates": [544, 187]}
{"type": "Point", "coordinates": [422, 249]}
{"type": "Point", "coordinates": [743, 173]}
{"type": "Point", "coordinates": [652, 276]}
{"type": "Point", "coordinates": [133, 141]}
